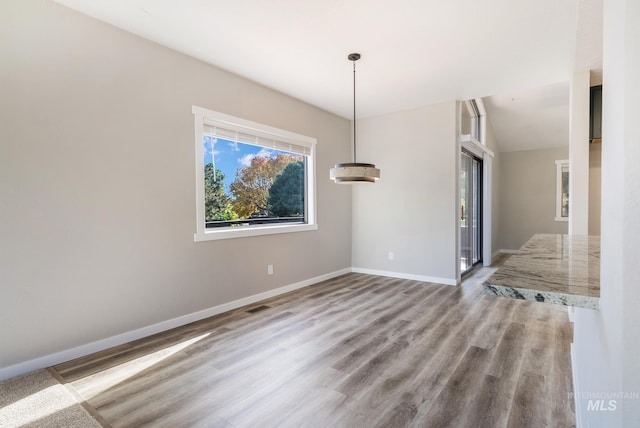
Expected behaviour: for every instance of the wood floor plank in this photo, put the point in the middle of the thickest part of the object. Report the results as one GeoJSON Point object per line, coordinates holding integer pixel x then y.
{"type": "Point", "coordinates": [560, 378]}
{"type": "Point", "coordinates": [506, 355]}
{"type": "Point", "coordinates": [405, 371]}
{"type": "Point", "coordinates": [367, 373]}
{"type": "Point", "coordinates": [527, 409]}
{"type": "Point", "coordinates": [455, 400]}
{"type": "Point", "coordinates": [357, 350]}
{"type": "Point", "coordinates": [447, 353]}
{"type": "Point", "coordinates": [496, 323]}
{"type": "Point", "coordinates": [483, 411]}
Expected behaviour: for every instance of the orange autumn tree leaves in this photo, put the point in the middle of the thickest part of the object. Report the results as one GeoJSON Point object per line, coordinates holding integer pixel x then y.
{"type": "Point", "coordinates": [251, 186]}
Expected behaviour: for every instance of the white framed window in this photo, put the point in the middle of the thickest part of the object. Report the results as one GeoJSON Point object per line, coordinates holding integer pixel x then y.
{"type": "Point", "coordinates": [473, 120]}
{"type": "Point", "coordinates": [562, 190]}
{"type": "Point", "coordinates": [251, 179]}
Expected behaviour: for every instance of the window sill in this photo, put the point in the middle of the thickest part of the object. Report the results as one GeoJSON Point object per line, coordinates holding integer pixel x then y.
{"type": "Point", "coordinates": [236, 232]}
{"type": "Point", "coordinates": [562, 218]}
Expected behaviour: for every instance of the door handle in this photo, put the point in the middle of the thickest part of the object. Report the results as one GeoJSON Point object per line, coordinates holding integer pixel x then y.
{"type": "Point", "coordinates": [462, 212]}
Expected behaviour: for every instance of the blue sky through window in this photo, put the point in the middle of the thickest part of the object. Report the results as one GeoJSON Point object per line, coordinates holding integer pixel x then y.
{"type": "Point", "coordinates": [229, 156]}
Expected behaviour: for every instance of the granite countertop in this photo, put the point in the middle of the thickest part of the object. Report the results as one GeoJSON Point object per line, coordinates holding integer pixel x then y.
{"type": "Point", "coordinates": [561, 269]}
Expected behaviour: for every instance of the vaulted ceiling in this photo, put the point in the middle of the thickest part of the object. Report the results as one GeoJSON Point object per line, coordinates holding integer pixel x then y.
{"type": "Point", "coordinates": [532, 118]}
{"type": "Point", "coordinates": [414, 52]}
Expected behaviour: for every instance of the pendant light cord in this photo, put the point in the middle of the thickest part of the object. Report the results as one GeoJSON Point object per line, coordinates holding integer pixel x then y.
{"type": "Point", "coordinates": [354, 112]}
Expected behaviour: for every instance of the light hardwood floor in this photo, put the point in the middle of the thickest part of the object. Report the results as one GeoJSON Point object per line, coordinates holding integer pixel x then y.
{"type": "Point", "coordinates": [354, 351]}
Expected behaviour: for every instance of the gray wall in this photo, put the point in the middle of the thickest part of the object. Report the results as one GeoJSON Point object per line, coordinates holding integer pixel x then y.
{"type": "Point", "coordinates": [528, 195]}
{"type": "Point", "coordinates": [97, 185]}
{"type": "Point", "coordinates": [412, 209]}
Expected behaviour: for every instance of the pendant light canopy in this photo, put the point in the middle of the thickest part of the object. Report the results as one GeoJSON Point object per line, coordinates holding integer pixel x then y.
{"type": "Point", "coordinates": [354, 172]}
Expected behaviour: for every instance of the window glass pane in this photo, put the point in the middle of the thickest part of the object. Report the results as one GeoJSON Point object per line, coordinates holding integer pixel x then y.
{"type": "Point", "coordinates": [565, 191]}
{"type": "Point", "coordinates": [246, 184]}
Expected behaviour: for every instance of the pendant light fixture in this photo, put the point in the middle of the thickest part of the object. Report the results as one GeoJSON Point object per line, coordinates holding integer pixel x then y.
{"type": "Point", "coordinates": [354, 172]}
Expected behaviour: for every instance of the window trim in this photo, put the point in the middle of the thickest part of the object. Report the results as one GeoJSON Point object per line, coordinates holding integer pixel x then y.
{"type": "Point", "coordinates": [559, 166]}
{"type": "Point", "coordinates": [478, 114]}
{"type": "Point", "coordinates": [204, 116]}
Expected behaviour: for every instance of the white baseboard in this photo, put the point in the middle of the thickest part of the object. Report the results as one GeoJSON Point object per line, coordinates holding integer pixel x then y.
{"type": "Point", "coordinates": [424, 278]}
{"type": "Point", "coordinates": [507, 251]}
{"type": "Point", "coordinates": [99, 345]}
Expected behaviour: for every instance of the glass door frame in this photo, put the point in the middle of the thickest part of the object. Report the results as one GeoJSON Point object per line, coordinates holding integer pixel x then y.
{"type": "Point", "coordinates": [471, 233]}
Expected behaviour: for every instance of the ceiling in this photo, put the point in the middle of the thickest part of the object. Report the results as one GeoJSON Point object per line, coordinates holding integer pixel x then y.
{"type": "Point", "coordinates": [538, 117]}
{"type": "Point", "coordinates": [530, 119]}
{"type": "Point", "coordinates": [414, 52]}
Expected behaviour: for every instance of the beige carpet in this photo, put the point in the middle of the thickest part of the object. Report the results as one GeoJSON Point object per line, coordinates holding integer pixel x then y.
{"type": "Point", "coordinates": [37, 399]}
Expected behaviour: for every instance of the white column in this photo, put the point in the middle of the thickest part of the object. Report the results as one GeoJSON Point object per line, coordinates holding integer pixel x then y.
{"type": "Point", "coordinates": [486, 209]}
{"type": "Point", "coordinates": [606, 346]}
{"type": "Point", "coordinates": [579, 154]}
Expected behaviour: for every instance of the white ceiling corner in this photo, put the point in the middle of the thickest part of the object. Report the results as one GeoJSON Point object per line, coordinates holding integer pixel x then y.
{"type": "Point", "coordinates": [530, 119]}
{"type": "Point", "coordinates": [538, 117]}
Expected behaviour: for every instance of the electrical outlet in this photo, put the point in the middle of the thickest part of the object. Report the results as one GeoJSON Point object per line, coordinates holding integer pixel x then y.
{"type": "Point", "coordinates": [269, 269]}
{"type": "Point", "coordinates": [390, 255]}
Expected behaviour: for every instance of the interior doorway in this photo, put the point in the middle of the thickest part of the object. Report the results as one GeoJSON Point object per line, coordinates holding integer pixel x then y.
{"type": "Point", "coordinates": [470, 211]}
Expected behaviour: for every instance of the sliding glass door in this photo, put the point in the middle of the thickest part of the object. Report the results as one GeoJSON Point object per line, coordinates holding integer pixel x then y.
{"type": "Point", "coordinates": [470, 211]}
